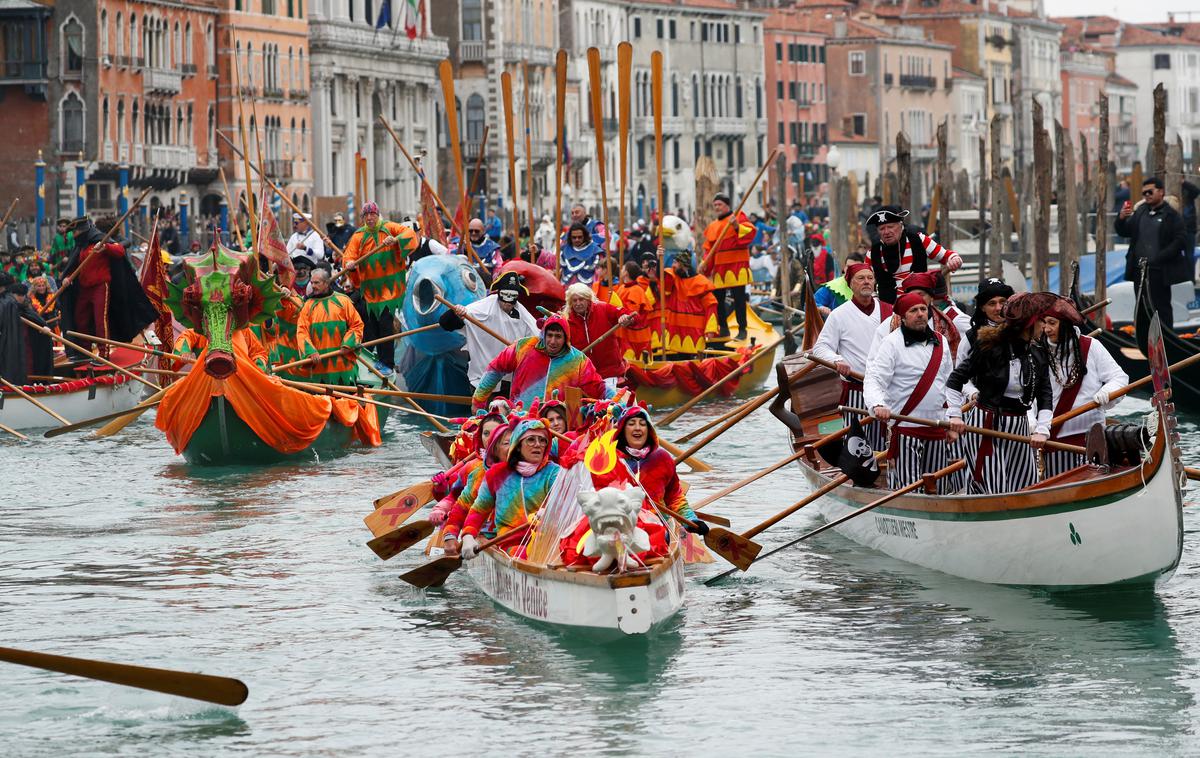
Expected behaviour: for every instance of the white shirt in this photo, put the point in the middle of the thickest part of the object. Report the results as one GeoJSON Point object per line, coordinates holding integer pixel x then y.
{"type": "Point", "coordinates": [894, 372]}
{"type": "Point", "coordinates": [847, 335]}
{"type": "Point", "coordinates": [1103, 373]}
{"type": "Point", "coordinates": [482, 348]}
{"type": "Point", "coordinates": [299, 242]}
{"type": "Point", "coordinates": [885, 328]}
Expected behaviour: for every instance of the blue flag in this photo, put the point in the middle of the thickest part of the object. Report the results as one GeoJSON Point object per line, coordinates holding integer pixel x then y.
{"type": "Point", "coordinates": [385, 14]}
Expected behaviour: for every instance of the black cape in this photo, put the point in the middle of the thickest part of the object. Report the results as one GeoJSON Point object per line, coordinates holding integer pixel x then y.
{"type": "Point", "coordinates": [129, 310]}
{"type": "Point", "coordinates": [22, 350]}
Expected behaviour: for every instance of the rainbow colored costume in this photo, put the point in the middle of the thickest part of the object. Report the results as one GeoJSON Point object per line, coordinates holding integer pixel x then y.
{"type": "Point", "coordinates": [654, 472]}
{"type": "Point", "coordinates": [537, 374]}
{"type": "Point", "coordinates": [509, 495]}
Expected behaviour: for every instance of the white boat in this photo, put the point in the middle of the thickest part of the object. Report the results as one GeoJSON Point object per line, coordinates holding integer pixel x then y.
{"type": "Point", "coordinates": [606, 605]}
{"type": "Point", "coordinates": [1085, 529]}
{"type": "Point", "coordinates": [73, 399]}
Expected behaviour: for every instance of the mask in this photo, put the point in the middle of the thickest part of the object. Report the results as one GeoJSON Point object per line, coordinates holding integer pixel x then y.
{"type": "Point", "coordinates": [508, 296]}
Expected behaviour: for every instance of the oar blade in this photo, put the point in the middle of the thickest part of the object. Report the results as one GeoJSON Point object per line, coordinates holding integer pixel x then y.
{"type": "Point", "coordinates": [713, 519]}
{"type": "Point", "coordinates": [393, 543]}
{"type": "Point", "coordinates": [733, 547]}
{"type": "Point", "coordinates": [422, 491]}
{"type": "Point", "coordinates": [433, 573]}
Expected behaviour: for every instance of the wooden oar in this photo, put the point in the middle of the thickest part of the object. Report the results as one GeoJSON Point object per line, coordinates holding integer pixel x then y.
{"type": "Point", "coordinates": [560, 117]}
{"type": "Point", "coordinates": [600, 339]}
{"type": "Point", "coordinates": [468, 317]}
{"type": "Point", "coordinates": [119, 423]}
{"type": "Point", "coordinates": [510, 142]}
{"type": "Point", "coordinates": [749, 480]}
{"type": "Point", "coordinates": [335, 393]}
{"type": "Point", "coordinates": [363, 346]}
{"type": "Point", "coordinates": [765, 350]}
{"type": "Point", "coordinates": [925, 480]}
{"type": "Point", "coordinates": [446, 74]}
{"type": "Point", "coordinates": [528, 150]}
{"type": "Point", "coordinates": [597, 93]}
{"type": "Point", "coordinates": [1051, 444]}
{"type": "Point", "coordinates": [437, 424]}
{"type": "Point", "coordinates": [135, 411]}
{"type": "Point", "coordinates": [855, 375]}
{"type": "Point", "coordinates": [697, 465]}
{"type": "Point", "coordinates": [13, 432]}
{"type": "Point", "coordinates": [454, 399]}
{"type": "Point", "coordinates": [1091, 406]}
{"type": "Point", "coordinates": [732, 218]}
{"type": "Point", "coordinates": [1095, 307]}
{"type": "Point", "coordinates": [34, 401]}
{"type": "Point", "coordinates": [624, 76]}
{"type": "Point", "coordinates": [89, 353]}
{"type": "Point", "coordinates": [131, 346]}
{"type": "Point", "coordinates": [213, 689]}
{"type": "Point", "coordinates": [731, 546]}
{"type": "Point", "coordinates": [656, 104]}
{"type": "Point", "coordinates": [434, 573]}
{"type": "Point", "coordinates": [757, 402]}
{"type": "Point", "coordinates": [391, 543]}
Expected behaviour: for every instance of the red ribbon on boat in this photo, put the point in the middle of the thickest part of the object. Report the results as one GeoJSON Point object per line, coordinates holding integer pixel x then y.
{"type": "Point", "coordinates": [693, 376]}
{"type": "Point", "coordinates": [75, 385]}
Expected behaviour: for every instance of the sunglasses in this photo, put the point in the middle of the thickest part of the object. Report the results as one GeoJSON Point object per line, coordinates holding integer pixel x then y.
{"type": "Point", "coordinates": [1147, 193]}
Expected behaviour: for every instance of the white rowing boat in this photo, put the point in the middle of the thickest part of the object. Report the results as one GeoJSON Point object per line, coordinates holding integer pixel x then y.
{"type": "Point", "coordinates": [74, 400]}
{"type": "Point", "coordinates": [608, 605]}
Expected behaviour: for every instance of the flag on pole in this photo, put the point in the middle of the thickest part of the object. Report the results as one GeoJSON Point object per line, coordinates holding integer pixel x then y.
{"type": "Point", "coordinates": [385, 15]}
{"type": "Point", "coordinates": [270, 244]}
{"type": "Point", "coordinates": [153, 278]}
{"type": "Point", "coordinates": [412, 17]}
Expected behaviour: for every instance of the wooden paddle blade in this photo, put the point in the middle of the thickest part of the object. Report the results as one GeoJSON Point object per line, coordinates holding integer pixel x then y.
{"type": "Point", "coordinates": [733, 547]}
{"type": "Point", "coordinates": [713, 519]}
{"type": "Point", "coordinates": [396, 541]}
{"type": "Point", "coordinates": [394, 513]}
{"type": "Point", "coordinates": [100, 419]}
{"type": "Point", "coordinates": [422, 491]}
{"type": "Point", "coordinates": [213, 689]}
{"type": "Point", "coordinates": [433, 573]}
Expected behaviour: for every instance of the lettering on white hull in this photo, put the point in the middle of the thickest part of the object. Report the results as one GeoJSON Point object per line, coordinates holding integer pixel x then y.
{"type": "Point", "coordinates": [893, 527]}
{"type": "Point", "coordinates": [525, 595]}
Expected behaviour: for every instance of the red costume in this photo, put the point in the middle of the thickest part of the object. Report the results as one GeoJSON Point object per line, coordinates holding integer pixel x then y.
{"type": "Point", "coordinates": [606, 355]}
{"type": "Point", "coordinates": [91, 306]}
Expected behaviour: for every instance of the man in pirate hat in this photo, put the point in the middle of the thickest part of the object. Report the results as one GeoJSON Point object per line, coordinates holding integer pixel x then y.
{"type": "Point", "coordinates": [901, 249]}
{"type": "Point", "coordinates": [501, 312]}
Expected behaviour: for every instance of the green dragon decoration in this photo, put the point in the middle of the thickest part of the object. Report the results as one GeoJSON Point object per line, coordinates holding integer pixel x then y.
{"type": "Point", "coordinates": [224, 292]}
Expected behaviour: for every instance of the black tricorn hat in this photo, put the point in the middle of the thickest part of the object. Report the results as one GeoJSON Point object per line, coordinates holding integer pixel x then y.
{"type": "Point", "coordinates": [887, 214]}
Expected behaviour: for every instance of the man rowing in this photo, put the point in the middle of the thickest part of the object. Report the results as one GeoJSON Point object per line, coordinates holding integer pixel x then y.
{"type": "Point", "coordinates": [847, 335]}
{"type": "Point", "coordinates": [901, 250]}
{"type": "Point", "coordinates": [907, 376]}
{"type": "Point", "coordinates": [502, 312]}
{"type": "Point", "coordinates": [328, 321]}
{"type": "Point", "coordinates": [590, 319]}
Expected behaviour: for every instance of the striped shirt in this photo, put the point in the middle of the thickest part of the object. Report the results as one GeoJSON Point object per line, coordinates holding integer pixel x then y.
{"type": "Point", "coordinates": [933, 252]}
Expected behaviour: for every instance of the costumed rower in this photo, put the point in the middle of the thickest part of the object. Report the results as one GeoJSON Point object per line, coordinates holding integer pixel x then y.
{"type": "Point", "coordinates": [22, 350]}
{"type": "Point", "coordinates": [989, 308]}
{"type": "Point", "coordinates": [305, 240]}
{"type": "Point", "coordinates": [923, 284]}
{"type": "Point", "coordinates": [907, 376]}
{"type": "Point", "coordinates": [514, 489]}
{"type": "Point", "coordinates": [500, 311]}
{"type": "Point", "coordinates": [377, 259]}
{"type": "Point", "coordinates": [579, 257]}
{"type": "Point", "coordinates": [1009, 367]}
{"type": "Point", "coordinates": [540, 366]}
{"type": "Point", "coordinates": [729, 264]}
{"type": "Point", "coordinates": [902, 249]}
{"type": "Point", "coordinates": [594, 227]}
{"type": "Point", "coordinates": [589, 319]}
{"type": "Point", "coordinates": [846, 339]}
{"type": "Point", "coordinates": [691, 310]}
{"type": "Point", "coordinates": [464, 479]}
{"type": "Point", "coordinates": [1081, 371]}
{"type": "Point", "coordinates": [486, 248]}
{"type": "Point", "coordinates": [105, 299]}
{"type": "Point", "coordinates": [329, 321]}
{"type": "Point", "coordinates": [635, 294]}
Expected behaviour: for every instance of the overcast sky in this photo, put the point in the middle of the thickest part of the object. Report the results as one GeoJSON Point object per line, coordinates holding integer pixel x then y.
{"type": "Point", "coordinates": [1126, 10]}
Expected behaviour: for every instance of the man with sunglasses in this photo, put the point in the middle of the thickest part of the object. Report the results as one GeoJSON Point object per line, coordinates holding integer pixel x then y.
{"type": "Point", "coordinates": [1157, 234]}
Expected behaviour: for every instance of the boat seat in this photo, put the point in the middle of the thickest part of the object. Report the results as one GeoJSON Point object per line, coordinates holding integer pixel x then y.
{"type": "Point", "coordinates": [1071, 476]}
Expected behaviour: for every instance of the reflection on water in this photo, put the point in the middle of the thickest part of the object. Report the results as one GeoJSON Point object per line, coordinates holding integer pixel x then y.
{"type": "Point", "coordinates": [116, 549]}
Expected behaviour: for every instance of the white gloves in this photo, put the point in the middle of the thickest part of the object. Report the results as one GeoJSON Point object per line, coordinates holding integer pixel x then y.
{"type": "Point", "coordinates": [1101, 399]}
{"type": "Point", "coordinates": [468, 546]}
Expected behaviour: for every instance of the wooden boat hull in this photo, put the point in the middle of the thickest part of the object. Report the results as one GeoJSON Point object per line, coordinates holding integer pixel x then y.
{"type": "Point", "coordinates": [224, 439]}
{"type": "Point", "coordinates": [604, 606]}
{"type": "Point", "coordinates": [96, 400]}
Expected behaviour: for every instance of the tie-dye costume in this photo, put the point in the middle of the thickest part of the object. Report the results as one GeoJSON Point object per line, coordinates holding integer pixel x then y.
{"type": "Point", "coordinates": [327, 323]}
{"type": "Point", "coordinates": [382, 270]}
{"type": "Point", "coordinates": [506, 495]}
{"type": "Point", "coordinates": [535, 374]}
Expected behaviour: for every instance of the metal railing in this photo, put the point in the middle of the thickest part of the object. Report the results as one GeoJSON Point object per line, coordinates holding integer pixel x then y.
{"type": "Point", "coordinates": [914, 81]}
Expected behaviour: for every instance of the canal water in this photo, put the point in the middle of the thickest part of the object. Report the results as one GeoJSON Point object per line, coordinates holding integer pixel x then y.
{"type": "Point", "coordinates": [116, 549]}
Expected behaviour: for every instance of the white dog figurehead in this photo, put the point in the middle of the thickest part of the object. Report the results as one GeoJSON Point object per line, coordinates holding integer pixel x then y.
{"type": "Point", "coordinates": [615, 537]}
{"type": "Point", "coordinates": [677, 235]}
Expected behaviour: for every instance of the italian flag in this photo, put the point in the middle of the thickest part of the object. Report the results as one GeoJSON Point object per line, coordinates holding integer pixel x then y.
{"type": "Point", "coordinates": [412, 17]}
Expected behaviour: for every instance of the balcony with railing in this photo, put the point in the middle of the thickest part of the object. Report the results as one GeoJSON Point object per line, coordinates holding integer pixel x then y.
{"type": "Point", "coordinates": [915, 81]}
{"type": "Point", "coordinates": [161, 80]}
{"type": "Point", "coordinates": [722, 126]}
{"type": "Point", "coordinates": [544, 153]}
{"type": "Point", "coordinates": [535, 55]}
{"type": "Point", "coordinates": [169, 157]}
{"type": "Point", "coordinates": [298, 95]}
{"type": "Point", "coordinates": [188, 69]}
{"type": "Point", "coordinates": [472, 50]}
{"type": "Point", "coordinates": [273, 93]}
{"type": "Point", "coordinates": [278, 169]}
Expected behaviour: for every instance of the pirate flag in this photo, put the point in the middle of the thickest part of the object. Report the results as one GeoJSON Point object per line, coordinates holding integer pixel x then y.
{"type": "Point", "coordinates": [857, 459]}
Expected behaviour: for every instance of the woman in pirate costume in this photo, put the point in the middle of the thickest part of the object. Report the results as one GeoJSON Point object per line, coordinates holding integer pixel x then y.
{"type": "Point", "coordinates": [1081, 371]}
{"type": "Point", "coordinates": [1009, 367]}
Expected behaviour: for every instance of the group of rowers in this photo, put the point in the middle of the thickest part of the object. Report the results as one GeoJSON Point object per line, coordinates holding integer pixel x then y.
{"type": "Point", "coordinates": [1014, 365]}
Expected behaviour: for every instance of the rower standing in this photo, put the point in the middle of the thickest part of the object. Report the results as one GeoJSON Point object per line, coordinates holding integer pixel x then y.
{"type": "Point", "coordinates": [590, 319]}
{"type": "Point", "coordinates": [1009, 367]}
{"type": "Point", "coordinates": [901, 250]}
{"type": "Point", "coordinates": [728, 263]}
{"type": "Point", "coordinates": [1081, 371]}
{"type": "Point", "coordinates": [846, 338]}
{"type": "Point", "coordinates": [908, 376]}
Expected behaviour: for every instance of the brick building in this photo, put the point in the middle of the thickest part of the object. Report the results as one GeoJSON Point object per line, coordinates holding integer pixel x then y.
{"type": "Point", "coordinates": [24, 86]}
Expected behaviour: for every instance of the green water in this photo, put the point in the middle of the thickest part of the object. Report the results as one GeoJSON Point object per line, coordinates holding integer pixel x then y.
{"type": "Point", "coordinates": [116, 549]}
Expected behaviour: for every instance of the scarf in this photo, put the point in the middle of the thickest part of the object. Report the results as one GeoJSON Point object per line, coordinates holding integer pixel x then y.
{"type": "Point", "coordinates": [526, 469]}
{"type": "Point", "coordinates": [639, 453]}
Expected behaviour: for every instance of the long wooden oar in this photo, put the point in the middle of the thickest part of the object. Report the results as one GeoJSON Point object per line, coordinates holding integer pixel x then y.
{"type": "Point", "coordinates": [1092, 405]}
{"type": "Point", "coordinates": [437, 423]}
{"type": "Point", "coordinates": [656, 92]}
{"type": "Point", "coordinates": [446, 74]}
{"type": "Point", "coordinates": [89, 353]}
{"type": "Point", "coordinates": [757, 401]}
{"type": "Point", "coordinates": [131, 346]}
{"type": "Point", "coordinates": [13, 432]}
{"type": "Point", "coordinates": [763, 351]}
{"type": "Point", "coordinates": [597, 92]}
{"type": "Point", "coordinates": [697, 465]}
{"type": "Point", "coordinates": [510, 141]}
{"type": "Point", "coordinates": [749, 480]}
{"type": "Point", "coordinates": [924, 481]}
{"type": "Point", "coordinates": [136, 410]}
{"type": "Point", "coordinates": [213, 689]}
{"type": "Point", "coordinates": [453, 399]}
{"type": "Point", "coordinates": [624, 75]}
{"type": "Point", "coordinates": [560, 129]}
{"type": "Point", "coordinates": [528, 150]}
{"type": "Point", "coordinates": [600, 339]}
{"type": "Point", "coordinates": [34, 401]}
{"type": "Point", "coordinates": [498, 337]}
{"type": "Point", "coordinates": [731, 546]}
{"type": "Point", "coordinates": [732, 218]}
{"type": "Point", "coordinates": [335, 393]}
{"type": "Point", "coordinates": [855, 375]}
{"type": "Point", "coordinates": [1051, 444]}
{"type": "Point", "coordinates": [363, 346]}
{"type": "Point", "coordinates": [120, 422]}
{"type": "Point", "coordinates": [434, 573]}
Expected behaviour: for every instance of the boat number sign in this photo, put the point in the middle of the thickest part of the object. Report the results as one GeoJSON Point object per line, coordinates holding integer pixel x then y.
{"type": "Point", "coordinates": [521, 592]}
{"type": "Point", "coordinates": [896, 527]}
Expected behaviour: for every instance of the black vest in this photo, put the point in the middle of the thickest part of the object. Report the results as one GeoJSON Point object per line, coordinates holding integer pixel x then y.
{"type": "Point", "coordinates": [885, 269]}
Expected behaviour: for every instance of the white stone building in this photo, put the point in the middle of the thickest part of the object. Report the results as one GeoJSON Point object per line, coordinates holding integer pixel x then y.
{"type": "Point", "coordinates": [1147, 59]}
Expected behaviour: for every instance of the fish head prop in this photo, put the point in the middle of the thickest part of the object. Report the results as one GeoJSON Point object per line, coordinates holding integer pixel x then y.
{"type": "Point", "coordinates": [544, 288]}
{"type": "Point", "coordinates": [223, 291]}
{"type": "Point", "coordinates": [448, 276]}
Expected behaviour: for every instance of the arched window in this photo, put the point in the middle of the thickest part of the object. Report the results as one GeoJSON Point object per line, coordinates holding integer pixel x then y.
{"type": "Point", "coordinates": [119, 28]}
{"type": "Point", "coordinates": [72, 46]}
{"type": "Point", "coordinates": [104, 114]}
{"type": "Point", "coordinates": [104, 36]}
{"type": "Point", "coordinates": [71, 121]}
{"type": "Point", "coordinates": [738, 98]}
{"type": "Point", "coordinates": [188, 43]}
{"type": "Point", "coordinates": [189, 138]}
{"type": "Point", "coordinates": [674, 95]}
{"type": "Point", "coordinates": [134, 134]}
{"type": "Point", "coordinates": [210, 47]}
{"type": "Point", "coordinates": [300, 83]}
{"type": "Point", "coordinates": [212, 128]}
{"type": "Point", "coordinates": [695, 95]}
{"type": "Point", "coordinates": [177, 59]}
{"type": "Point", "coordinates": [475, 118]}
{"type": "Point", "coordinates": [133, 38]}
{"type": "Point", "coordinates": [120, 122]}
